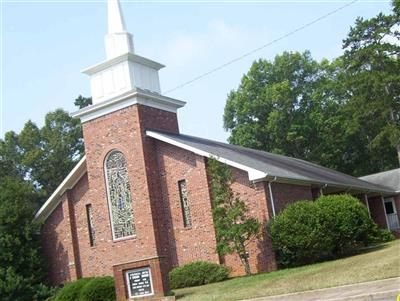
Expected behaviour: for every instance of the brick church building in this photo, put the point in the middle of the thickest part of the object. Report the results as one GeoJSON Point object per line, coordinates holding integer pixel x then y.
{"type": "Point", "coordinates": [140, 197]}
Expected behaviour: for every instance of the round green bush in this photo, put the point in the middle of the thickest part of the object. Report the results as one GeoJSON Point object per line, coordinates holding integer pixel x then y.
{"type": "Point", "coordinates": [347, 222]}
{"type": "Point", "coordinates": [71, 290]}
{"type": "Point", "coordinates": [332, 226]}
{"type": "Point", "coordinates": [298, 234]}
{"type": "Point", "coordinates": [98, 289]}
{"type": "Point", "coordinates": [197, 273]}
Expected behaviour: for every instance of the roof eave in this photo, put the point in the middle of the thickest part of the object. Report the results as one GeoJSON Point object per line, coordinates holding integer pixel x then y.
{"type": "Point", "coordinates": [326, 183]}
{"type": "Point", "coordinates": [72, 178]}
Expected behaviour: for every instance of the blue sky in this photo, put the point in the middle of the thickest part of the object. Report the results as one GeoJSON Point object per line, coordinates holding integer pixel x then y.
{"type": "Point", "coordinates": [46, 44]}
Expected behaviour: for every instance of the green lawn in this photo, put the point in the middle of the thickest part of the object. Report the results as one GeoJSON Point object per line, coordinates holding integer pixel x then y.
{"type": "Point", "coordinates": [377, 263]}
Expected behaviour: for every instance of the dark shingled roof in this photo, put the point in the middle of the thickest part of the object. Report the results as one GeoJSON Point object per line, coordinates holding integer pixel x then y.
{"type": "Point", "coordinates": [390, 179]}
{"type": "Point", "coordinates": [275, 165]}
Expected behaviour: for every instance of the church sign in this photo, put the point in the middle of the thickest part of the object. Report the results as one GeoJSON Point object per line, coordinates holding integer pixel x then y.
{"type": "Point", "coordinates": [139, 282]}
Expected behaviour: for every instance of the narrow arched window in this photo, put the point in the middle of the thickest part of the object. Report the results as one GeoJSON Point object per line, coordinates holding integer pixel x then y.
{"type": "Point", "coordinates": [119, 195]}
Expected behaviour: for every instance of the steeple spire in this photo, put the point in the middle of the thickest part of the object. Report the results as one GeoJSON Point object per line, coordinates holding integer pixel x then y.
{"type": "Point", "coordinates": [118, 40]}
{"type": "Point", "coordinates": [116, 22]}
{"type": "Point", "coordinates": [124, 78]}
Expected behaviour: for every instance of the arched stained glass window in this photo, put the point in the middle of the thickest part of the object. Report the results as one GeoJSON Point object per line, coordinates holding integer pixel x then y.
{"type": "Point", "coordinates": [119, 195]}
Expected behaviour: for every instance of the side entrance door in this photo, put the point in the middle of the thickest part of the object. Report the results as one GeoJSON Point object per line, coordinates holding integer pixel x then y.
{"type": "Point", "coordinates": [391, 214]}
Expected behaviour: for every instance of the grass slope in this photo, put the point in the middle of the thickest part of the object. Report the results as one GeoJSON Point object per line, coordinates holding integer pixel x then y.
{"type": "Point", "coordinates": [378, 263]}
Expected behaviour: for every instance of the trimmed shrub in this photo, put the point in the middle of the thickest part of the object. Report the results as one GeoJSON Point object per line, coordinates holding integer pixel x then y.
{"type": "Point", "coordinates": [298, 234]}
{"type": "Point", "coordinates": [72, 290]}
{"type": "Point", "coordinates": [346, 221]}
{"type": "Point", "coordinates": [98, 289]}
{"type": "Point", "coordinates": [197, 273]}
{"type": "Point", "coordinates": [332, 226]}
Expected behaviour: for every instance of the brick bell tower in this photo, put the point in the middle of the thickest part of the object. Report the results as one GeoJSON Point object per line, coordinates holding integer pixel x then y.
{"type": "Point", "coordinates": [127, 100]}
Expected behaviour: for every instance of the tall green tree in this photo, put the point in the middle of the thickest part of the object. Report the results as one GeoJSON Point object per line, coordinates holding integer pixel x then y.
{"type": "Point", "coordinates": [267, 111]}
{"type": "Point", "coordinates": [44, 155]}
{"type": "Point", "coordinates": [291, 106]}
{"type": "Point", "coordinates": [10, 160]}
{"type": "Point", "coordinates": [372, 80]}
{"type": "Point", "coordinates": [233, 226]}
{"type": "Point", "coordinates": [317, 111]}
{"type": "Point", "coordinates": [32, 164]}
{"type": "Point", "coordinates": [21, 264]}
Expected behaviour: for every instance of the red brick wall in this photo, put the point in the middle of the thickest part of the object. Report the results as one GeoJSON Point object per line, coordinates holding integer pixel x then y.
{"type": "Point", "coordinates": [261, 257]}
{"type": "Point", "coordinates": [123, 130]}
{"type": "Point", "coordinates": [377, 211]}
{"type": "Point", "coordinates": [156, 119]}
{"type": "Point", "coordinates": [285, 194]}
{"type": "Point", "coordinates": [57, 245]}
{"type": "Point", "coordinates": [198, 242]}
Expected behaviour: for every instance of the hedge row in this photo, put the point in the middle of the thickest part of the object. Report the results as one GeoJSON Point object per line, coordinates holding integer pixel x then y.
{"type": "Point", "coordinates": [88, 289]}
{"type": "Point", "coordinates": [330, 227]}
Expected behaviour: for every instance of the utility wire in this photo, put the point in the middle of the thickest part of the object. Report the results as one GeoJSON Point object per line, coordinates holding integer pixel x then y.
{"type": "Point", "coordinates": [262, 47]}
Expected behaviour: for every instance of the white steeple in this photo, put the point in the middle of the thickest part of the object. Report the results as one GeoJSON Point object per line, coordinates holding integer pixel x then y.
{"type": "Point", "coordinates": [118, 40]}
{"type": "Point", "coordinates": [116, 22]}
{"type": "Point", "coordinates": [124, 78]}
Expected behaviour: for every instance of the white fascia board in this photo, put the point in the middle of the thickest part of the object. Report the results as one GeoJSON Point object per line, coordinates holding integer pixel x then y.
{"type": "Point", "coordinates": [127, 56]}
{"type": "Point", "coordinates": [138, 96]}
{"type": "Point", "coordinates": [254, 174]}
{"type": "Point", "coordinates": [329, 184]}
{"type": "Point", "coordinates": [71, 179]}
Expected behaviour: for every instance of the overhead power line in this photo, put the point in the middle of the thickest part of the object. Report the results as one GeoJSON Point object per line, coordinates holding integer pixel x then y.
{"type": "Point", "coordinates": [262, 47]}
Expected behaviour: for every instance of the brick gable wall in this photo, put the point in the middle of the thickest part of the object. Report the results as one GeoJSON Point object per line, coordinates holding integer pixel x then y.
{"type": "Point", "coordinates": [119, 130]}
{"type": "Point", "coordinates": [67, 246]}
